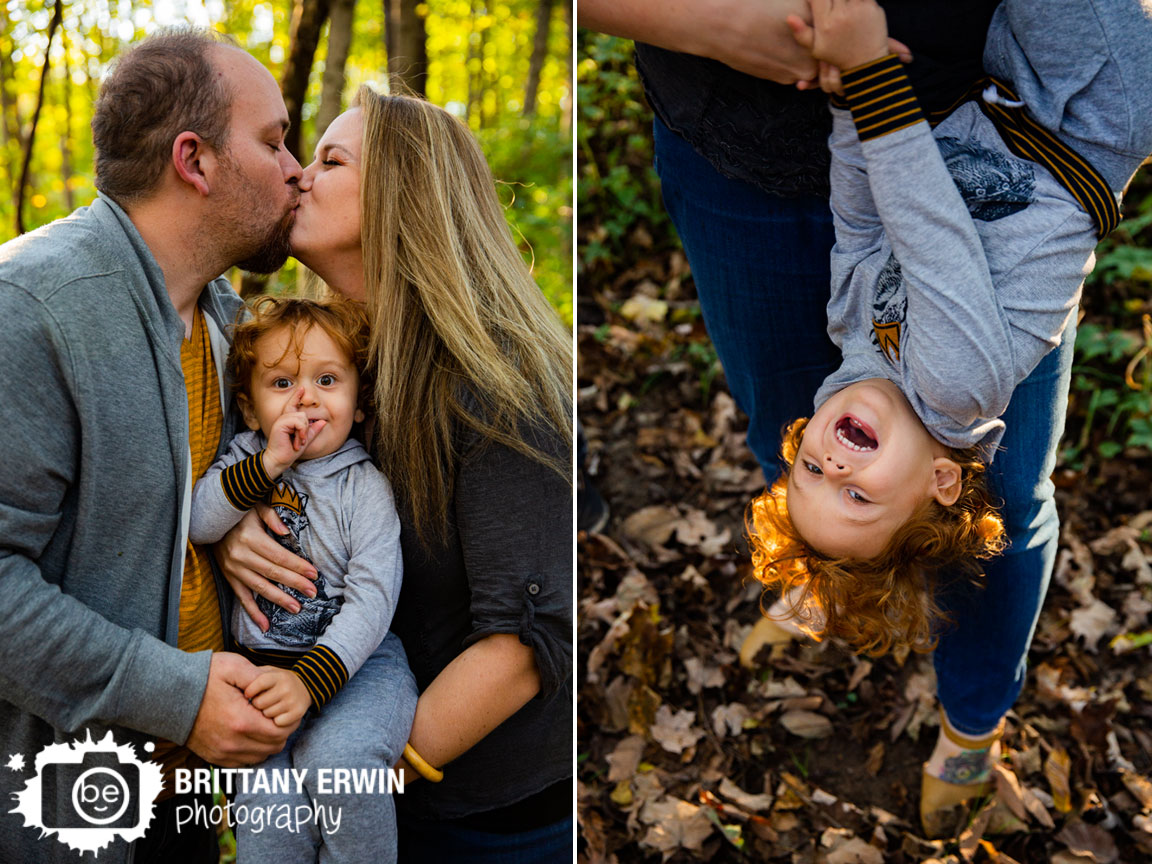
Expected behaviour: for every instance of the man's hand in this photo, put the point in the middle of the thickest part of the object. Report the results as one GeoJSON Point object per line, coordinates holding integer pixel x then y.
{"type": "Point", "coordinates": [280, 694]}
{"type": "Point", "coordinates": [289, 435]}
{"type": "Point", "coordinates": [842, 33]}
{"type": "Point", "coordinates": [228, 731]}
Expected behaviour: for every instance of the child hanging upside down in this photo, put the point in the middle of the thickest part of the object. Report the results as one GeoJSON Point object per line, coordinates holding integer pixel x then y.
{"type": "Point", "coordinates": [962, 244]}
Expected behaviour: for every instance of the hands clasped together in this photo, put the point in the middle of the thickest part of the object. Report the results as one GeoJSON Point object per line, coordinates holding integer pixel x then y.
{"type": "Point", "coordinates": [843, 34]}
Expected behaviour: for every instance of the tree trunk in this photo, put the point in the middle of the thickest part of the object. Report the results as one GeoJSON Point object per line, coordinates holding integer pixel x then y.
{"type": "Point", "coordinates": [477, 86]}
{"type": "Point", "coordinates": [539, 54]}
{"type": "Point", "coordinates": [66, 139]}
{"type": "Point", "coordinates": [470, 102]}
{"type": "Point", "coordinates": [307, 21]}
{"type": "Point", "coordinates": [25, 169]}
{"type": "Point", "coordinates": [569, 101]}
{"type": "Point", "coordinates": [339, 40]}
{"type": "Point", "coordinates": [406, 41]}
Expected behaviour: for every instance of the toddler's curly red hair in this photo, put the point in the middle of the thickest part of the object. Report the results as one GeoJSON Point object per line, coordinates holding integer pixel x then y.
{"type": "Point", "coordinates": [881, 603]}
{"type": "Point", "coordinates": [344, 321]}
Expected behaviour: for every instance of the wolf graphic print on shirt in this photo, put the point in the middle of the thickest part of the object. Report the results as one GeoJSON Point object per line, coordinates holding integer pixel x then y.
{"type": "Point", "coordinates": [992, 185]}
{"type": "Point", "coordinates": [301, 629]}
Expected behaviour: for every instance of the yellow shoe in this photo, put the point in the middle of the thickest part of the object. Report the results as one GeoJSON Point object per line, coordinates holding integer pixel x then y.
{"type": "Point", "coordinates": [959, 770]}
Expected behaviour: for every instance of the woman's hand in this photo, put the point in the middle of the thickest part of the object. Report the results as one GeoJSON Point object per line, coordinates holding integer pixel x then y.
{"type": "Point", "coordinates": [843, 33]}
{"type": "Point", "coordinates": [253, 562]}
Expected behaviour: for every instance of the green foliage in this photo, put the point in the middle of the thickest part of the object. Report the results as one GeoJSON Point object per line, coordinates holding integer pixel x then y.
{"type": "Point", "coordinates": [1111, 399]}
{"type": "Point", "coordinates": [478, 57]}
{"type": "Point", "coordinates": [620, 208]}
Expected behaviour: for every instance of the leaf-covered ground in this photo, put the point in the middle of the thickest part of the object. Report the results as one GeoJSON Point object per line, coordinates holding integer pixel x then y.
{"type": "Point", "coordinates": [814, 756]}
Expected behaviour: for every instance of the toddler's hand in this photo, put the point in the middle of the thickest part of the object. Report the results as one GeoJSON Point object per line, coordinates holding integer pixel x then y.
{"type": "Point", "coordinates": [289, 435]}
{"type": "Point", "coordinates": [279, 694]}
{"type": "Point", "coordinates": [844, 33]}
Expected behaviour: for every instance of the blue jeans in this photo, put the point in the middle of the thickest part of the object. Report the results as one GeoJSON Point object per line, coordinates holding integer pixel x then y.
{"type": "Point", "coordinates": [365, 726]}
{"type": "Point", "coordinates": [438, 842]}
{"type": "Point", "coordinates": [761, 267]}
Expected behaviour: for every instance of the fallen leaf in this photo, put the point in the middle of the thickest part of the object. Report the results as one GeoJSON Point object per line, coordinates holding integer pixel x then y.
{"type": "Point", "coordinates": [1008, 791]}
{"type": "Point", "coordinates": [1090, 841]}
{"type": "Point", "coordinates": [697, 530]}
{"type": "Point", "coordinates": [782, 689]}
{"type": "Point", "coordinates": [751, 803]}
{"type": "Point", "coordinates": [674, 824]}
{"type": "Point", "coordinates": [635, 588]}
{"type": "Point", "coordinates": [675, 732]}
{"type": "Point", "coordinates": [642, 308]}
{"type": "Point", "coordinates": [1056, 772]}
{"type": "Point", "coordinates": [806, 724]}
{"type": "Point", "coordinates": [1140, 788]}
{"type": "Point", "coordinates": [729, 719]}
{"type": "Point", "coordinates": [875, 759]}
{"type": "Point", "coordinates": [652, 525]}
{"type": "Point", "coordinates": [625, 758]}
{"type": "Point", "coordinates": [1092, 622]}
{"type": "Point", "coordinates": [854, 851]}
{"type": "Point", "coordinates": [1136, 561]}
{"type": "Point", "coordinates": [863, 670]}
{"type": "Point", "coordinates": [701, 675]}
{"type": "Point", "coordinates": [622, 794]}
{"type": "Point", "coordinates": [1018, 798]}
{"type": "Point", "coordinates": [790, 794]}
{"type": "Point", "coordinates": [1136, 608]}
{"type": "Point", "coordinates": [1075, 569]}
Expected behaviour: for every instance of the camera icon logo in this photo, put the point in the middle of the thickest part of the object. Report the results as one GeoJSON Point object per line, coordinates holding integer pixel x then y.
{"type": "Point", "coordinates": [103, 791]}
{"type": "Point", "coordinates": [88, 793]}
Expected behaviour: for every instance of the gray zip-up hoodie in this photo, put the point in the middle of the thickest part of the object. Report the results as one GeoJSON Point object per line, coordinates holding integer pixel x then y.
{"type": "Point", "coordinates": [341, 516]}
{"type": "Point", "coordinates": [94, 498]}
{"type": "Point", "coordinates": [958, 264]}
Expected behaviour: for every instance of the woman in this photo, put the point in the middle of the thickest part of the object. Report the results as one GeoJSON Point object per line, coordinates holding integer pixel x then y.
{"type": "Point", "coordinates": [472, 385]}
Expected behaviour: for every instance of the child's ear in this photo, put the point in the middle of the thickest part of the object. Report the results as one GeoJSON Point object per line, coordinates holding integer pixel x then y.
{"type": "Point", "coordinates": [358, 417]}
{"type": "Point", "coordinates": [946, 480]}
{"type": "Point", "coordinates": [248, 411]}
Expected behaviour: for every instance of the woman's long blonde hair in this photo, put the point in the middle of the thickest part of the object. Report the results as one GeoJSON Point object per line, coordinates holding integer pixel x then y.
{"type": "Point", "coordinates": [461, 333]}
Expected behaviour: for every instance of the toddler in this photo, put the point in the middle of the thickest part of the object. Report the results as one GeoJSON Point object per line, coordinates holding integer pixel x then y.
{"type": "Point", "coordinates": [959, 259]}
{"type": "Point", "coordinates": [295, 367]}
{"type": "Point", "coordinates": [962, 243]}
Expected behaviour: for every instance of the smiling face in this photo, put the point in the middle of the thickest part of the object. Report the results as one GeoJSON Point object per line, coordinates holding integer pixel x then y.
{"type": "Point", "coordinates": [866, 464]}
{"type": "Point", "coordinates": [303, 371]}
{"type": "Point", "coordinates": [326, 236]}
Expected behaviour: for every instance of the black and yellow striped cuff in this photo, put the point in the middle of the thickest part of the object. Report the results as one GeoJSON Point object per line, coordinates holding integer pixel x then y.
{"type": "Point", "coordinates": [881, 97]}
{"type": "Point", "coordinates": [322, 672]}
{"type": "Point", "coordinates": [246, 482]}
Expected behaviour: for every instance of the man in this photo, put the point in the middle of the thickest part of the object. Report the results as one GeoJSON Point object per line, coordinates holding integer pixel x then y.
{"type": "Point", "coordinates": [113, 404]}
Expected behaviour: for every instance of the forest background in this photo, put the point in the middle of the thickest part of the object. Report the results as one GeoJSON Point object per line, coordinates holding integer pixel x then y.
{"type": "Point", "coordinates": [813, 755]}
{"type": "Point", "coordinates": [504, 66]}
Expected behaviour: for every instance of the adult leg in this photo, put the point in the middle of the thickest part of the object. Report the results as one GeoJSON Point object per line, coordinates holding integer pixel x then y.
{"type": "Point", "coordinates": [364, 727]}
{"type": "Point", "coordinates": [761, 267]}
{"type": "Point", "coordinates": [981, 660]}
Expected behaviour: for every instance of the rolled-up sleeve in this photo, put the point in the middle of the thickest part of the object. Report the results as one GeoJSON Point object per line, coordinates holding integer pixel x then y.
{"type": "Point", "coordinates": [514, 516]}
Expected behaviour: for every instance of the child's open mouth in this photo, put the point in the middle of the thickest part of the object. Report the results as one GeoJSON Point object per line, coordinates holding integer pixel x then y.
{"type": "Point", "coordinates": [855, 435]}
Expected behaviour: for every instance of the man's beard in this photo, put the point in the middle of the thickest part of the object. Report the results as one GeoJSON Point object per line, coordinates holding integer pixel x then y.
{"type": "Point", "coordinates": [274, 250]}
